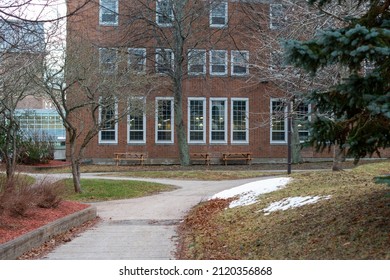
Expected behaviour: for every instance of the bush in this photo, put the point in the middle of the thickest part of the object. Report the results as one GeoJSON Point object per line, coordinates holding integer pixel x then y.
{"type": "Point", "coordinates": [49, 195]}
{"type": "Point", "coordinates": [35, 150]}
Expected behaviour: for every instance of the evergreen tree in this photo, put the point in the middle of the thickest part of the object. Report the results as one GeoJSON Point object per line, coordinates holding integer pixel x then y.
{"type": "Point", "coordinates": [355, 113]}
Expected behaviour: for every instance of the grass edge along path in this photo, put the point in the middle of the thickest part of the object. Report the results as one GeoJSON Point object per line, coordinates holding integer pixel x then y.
{"type": "Point", "coordinates": [102, 190]}
{"type": "Point", "coordinates": [353, 224]}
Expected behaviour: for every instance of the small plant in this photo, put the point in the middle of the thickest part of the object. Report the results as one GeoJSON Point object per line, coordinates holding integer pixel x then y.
{"type": "Point", "coordinates": [36, 149]}
{"type": "Point", "coordinates": [49, 195]}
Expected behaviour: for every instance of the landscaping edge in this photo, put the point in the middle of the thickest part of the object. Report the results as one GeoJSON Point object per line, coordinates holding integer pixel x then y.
{"type": "Point", "coordinates": [11, 250]}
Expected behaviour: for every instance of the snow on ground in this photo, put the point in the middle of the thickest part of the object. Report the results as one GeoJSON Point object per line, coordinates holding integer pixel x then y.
{"type": "Point", "coordinates": [292, 202]}
{"type": "Point", "coordinates": [248, 193]}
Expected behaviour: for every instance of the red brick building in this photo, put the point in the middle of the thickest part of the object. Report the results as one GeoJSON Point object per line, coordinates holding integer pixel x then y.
{"type": "Point", "coordinates": [224, 108]}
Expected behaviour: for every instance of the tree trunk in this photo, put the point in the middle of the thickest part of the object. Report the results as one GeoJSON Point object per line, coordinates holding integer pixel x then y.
{"type": "Point", "coordinates": [338, 157]}
{"type": "Point", "coordinates": [75, 163]}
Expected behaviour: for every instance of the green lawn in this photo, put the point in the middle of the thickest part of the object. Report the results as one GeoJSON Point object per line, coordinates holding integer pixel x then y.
{"type": "Point", "coordinates": [101, 190]}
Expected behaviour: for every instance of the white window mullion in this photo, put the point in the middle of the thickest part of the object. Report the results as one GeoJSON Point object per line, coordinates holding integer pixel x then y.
{"type": "Point", "coordinates": [197, 120]}
{"type": "Point", "coordinates": [218, 120]}
{"type": "Point", "coordinates": [240, 120]}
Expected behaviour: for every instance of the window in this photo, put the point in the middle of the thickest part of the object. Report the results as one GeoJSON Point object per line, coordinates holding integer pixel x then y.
{"type": "Point", "coordinates": [164, 12]}
{"type": "Point", "coordinates": [136, 120]}
{"type": "Point", "coordinates": [218, 14]}
{"type": "Point", "coordinates": [218, 63]}
{"type": "Point", "coordinates": [218, 114]}
{"type": "Point", "coordinates": [196, 120]}
{"type": "Point", "coordinates": [278, 121]}
{"type": "Point", "coordinates": [137, 60]}
{"type": "Point", "coordinates": [164, 61]}
{"type": "Point", "coordinates": [240, 124]}
{"type": "Point", "coordinates": [240, 65]}
{"type": "Point", "coordinates": [108, 123]}
{"type": "Point", "coordinates": [108, 60]}
{"type": "Point", "coordinates": [276, 16]}
{"type": "Point", "coordinates": [164, 120]}
{"type": "Point", "coordinates": [302, 119]}
{"type": "Point", "coordinates": [108, 13]}
{"type": "Point", "coordinates": [197, 62]}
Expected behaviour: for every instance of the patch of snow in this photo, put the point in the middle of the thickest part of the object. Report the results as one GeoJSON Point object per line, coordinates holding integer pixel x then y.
{"type": "Point", "coordinates": [247, 194]}
{"type": "Point", "coordinates": [293, 202]}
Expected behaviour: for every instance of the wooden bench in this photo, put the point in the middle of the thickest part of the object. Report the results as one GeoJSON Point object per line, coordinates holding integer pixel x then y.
{"type": "Point", "coordinates": [201, 156]}
{"type": "Point", "coordinates": [237, 156]}
{"type": "Point", "coordinates": [118, 157]}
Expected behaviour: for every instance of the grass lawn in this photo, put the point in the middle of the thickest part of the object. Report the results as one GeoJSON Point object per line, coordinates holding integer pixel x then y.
{"type": "Point", "coordinates": [353, 224]}
{"type": "Point", "coordinates": [101, 190]}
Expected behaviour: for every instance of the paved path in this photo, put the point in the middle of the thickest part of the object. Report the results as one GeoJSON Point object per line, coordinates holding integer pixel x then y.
{"type": "Point", "coordinates": [140, 228]}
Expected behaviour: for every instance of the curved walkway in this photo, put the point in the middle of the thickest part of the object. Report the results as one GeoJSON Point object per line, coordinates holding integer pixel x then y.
{"type": "Point", "coordinates": [140, 228]}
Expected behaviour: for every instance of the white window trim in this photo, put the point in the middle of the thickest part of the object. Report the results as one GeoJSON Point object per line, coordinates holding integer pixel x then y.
{"type": "Point", "coordinates": [309, 120]}
{"type": "Point", "coordinates": [226, 16]}
{"type": "Point", "coordinates": [101, 7]}
{"type": "Point", "coordinates": [172, 121]}
{"type": "Point", "coordinates": [100, 61]}
{"type": "Point", "coordinates": [116, 127]}
{"type": "Point", "coordinates": [271, 18]}
{"type": "Point", "coordinates": [204, 62]}
{"type": "Point", "coordinates": [232, 55]}
{"type": "Point", "coordinates": [144, 58]}
{"type": "Point", "coordinates": [285, 123]}
{"type": "Point", "coordinates": [172, 17]}
{"type": "Point", "coordinates": [204, 120]}
{"type": "Point", "coordinates": [158, 52]}
{"type": "Point", "coordinates": [211, 120]}
{"type": "Point", "coordinates": [246, 123]}
{"type": "Point", "coordinates": [211, 63]}
{"type": "Point", "coordinates": [144, 122]}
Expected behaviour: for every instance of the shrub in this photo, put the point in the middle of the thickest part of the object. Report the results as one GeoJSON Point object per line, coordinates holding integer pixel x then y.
{"type": "Point", "coordinates": [36, 149]}
{"type": "Point", "coordinates": [49, 194]}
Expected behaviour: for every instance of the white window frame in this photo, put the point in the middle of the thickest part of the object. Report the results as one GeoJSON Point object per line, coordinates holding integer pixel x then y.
{"type": "Point", "coordinates": [102, 66]}
{"type": "Point", "coordinates": [211, 121]}
{"type": "Point", "coordinates": [129, 62]}
{"type": "Point", "coordinates": [275, 20]}
{"type": "Point", "coordinates": [158, 14]}
{"type": "Point", "coordinates": [129, 141]}
{"type": "Point", "coordinates": [171, 121]}
{"type": "Point", "coordinates": [285, 120]}
{"type": "Point", "coordinates": [212, 63]}
{"type": "Point", "coordinates": [213, 5]}
{"type": "Point", "coordinates": [246, 141]}
{"type": "Point", "coordinates": [203, 141]}
{"type": "Point", "coordinates": [245, 55]}
{"type": "Point", "coordinates": [115, 128]}
{"type": "Point", "coordinates": [202, 55]}
{"type": "Point", "coordinates": [104, 6]}
{"type": "Point", "coordinates": [159, 54]}
{"type": "Point", "coordinates": [308, 120]}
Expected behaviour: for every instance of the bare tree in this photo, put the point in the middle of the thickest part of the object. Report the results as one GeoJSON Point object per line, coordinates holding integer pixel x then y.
{"type": "Point", "coordinates": [103, 92]}
{"type": "Point", "coordinates": [291, 20]}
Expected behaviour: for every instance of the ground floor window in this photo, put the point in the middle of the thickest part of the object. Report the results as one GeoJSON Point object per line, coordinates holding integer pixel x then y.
{"type": "Point", "coordinates": [196, 120]}
{"type": "Point", "coordinates": [278, 121]}
{"type": "Point", "coordinates": [164, 120]}
{"type": "Point", "coordinates": [108, 123]}
{"type": "Point", "coordinates": [136, 120]}
{"type": "Point", "coordinates": [240, 123]}
{"type": "Point", "coordinates": [218, 112]}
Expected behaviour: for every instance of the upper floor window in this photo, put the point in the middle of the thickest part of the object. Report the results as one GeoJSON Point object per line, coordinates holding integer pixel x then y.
{"type": "Point", "coordinates": [137, 59]}
{"type": "Point", "coordinates": [218, 62]}
{"type": "Point", "coordinates": [197, 62]}
{"type": "Point", "coordinates": [164, 61]}
{"type": "Point", "coordinates": [108, 12]}
{"type": "Point", "coordinates": [240, 63]}
{"type": "Point", "coordinates": [164, 12]}
{"type": "Point", "coordinates": [219, 14]}
{"type": "Point", "coordinates": [276, 16]}
{"type": "Point", "coordinates": [108, 60]}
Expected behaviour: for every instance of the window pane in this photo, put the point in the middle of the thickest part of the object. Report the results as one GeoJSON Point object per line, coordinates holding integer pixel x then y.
{"type": "Point", "coordinates": [218, 14]}
{"type": "Point", "coordinates": [196, 120]}
{"type": "Point", "coordinates": [137, 59]}
{"type": "Point", "coordinates": [197, 62]}
{"type": "Point", "coordinates": [164, 120]}
{"type": "Point", "coordinates": [164, 12]}
{"type": "Point", "coordinates": [109, 12]}
{"type": "Point", "coordinates": [218, 120]}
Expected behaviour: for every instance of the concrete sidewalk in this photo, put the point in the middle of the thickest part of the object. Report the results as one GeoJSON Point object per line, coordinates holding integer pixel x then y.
{"type": "Point", "coordinates": [141, 228]}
